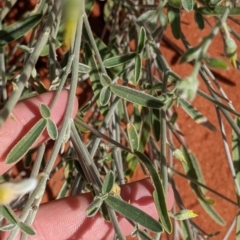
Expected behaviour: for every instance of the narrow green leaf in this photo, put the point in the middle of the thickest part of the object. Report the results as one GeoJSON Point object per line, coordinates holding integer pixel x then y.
{"type": "Point", "coordinates": [218, 11]}
{"type": "Point", "coordinates": [236, 164]}
{"type": "Point", "coordinates": [236, 150]}
{"type": "Point", "coordinates": [52, 129]}
{"type": "Point", "coordinates": [7, 227]}
{"type": "Point", "coordinates": [216, 63]}
{"type": "Point", "coordinates": [8, 214]}
{"type": "Point", "coordinates": [22, 147]}
{"type": "Point", "coordinates": [133, 213]}
{"type": "Point", "coordinates": [175, 3]}
{"type": "Point", "coordinates": [18, 29]}
{"type": "Point", "coordinates": [119, 60]}
{"type": "Point", "coordinates": [138, 68]}
{"type": "Point", "coordinates": [45, 111]}
{"type": "Point", "coordinates": [174, 20]}
{"type": "Point", "coordinates": [214, 3]}
{"type": "Point", "coordinates": [156, 123]}
{"type": "Point", "coordinates": [187, 5]}
{"type": "Point", "coordinates": [108, 182]}
{"type": "Point", "coordinates": [185, 214]}
{"type": "Point", "coordinates": [83, 68]}
{"type": "Point", "coordinates": [163, 19]}
{"type": "Point", "coordinates": [105, 96]}
{"type": "Point", "coordinates": [95, 77]}
{"type": "Point", "coordinates": [89, 6]}
{"type": "Point", "coordinates": [193, 171]}
{"type": "Point", "coordinates": [191, 54]}
{"type": "Point", "coordinates": [136, 96]}
{"type": "Point", "coordinates": [150, 15]}
{"type": "Point", "coordinates": [26, 229]}
{"type": "Point", "coordinates": [94, 207]}
{"type": "Point", "coordinates": [132, 136]}
{"type": "Point", "coordinates": [141, 40]}
{"type": "Point", "coordinates": [199, 20]}
{"type": "Point", "coordinates": [196, 115]}
{"type": "Point", "coordinates": [144, 127]}
{"type": "Point", "coordinates": [158, 194]}
{"type": "Point", "coordinates": [105, 80]}
{"type": "Point", "coordinates": [46, 49]}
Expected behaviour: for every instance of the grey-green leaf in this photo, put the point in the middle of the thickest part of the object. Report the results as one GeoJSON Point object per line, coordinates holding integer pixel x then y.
{"type": "Point", "coordinates": [187, 5]}
{"type": "Point", "coordinates": [105, 80]}
{"type": "Point", "coordinates": [136, 96]}
{"type": "Point", "coordinates": [45, 111]}
{"type": "Point", "coordinates": [108, 182]}
{"type": "Point", "coordinates": [156, 123]}
{"type": "Point", "coordinates": [236, 164]}
{"type": "Point", "coordinates": [216, 63]}
{"type": "Point", "coordinates": [105, 96]}
{"type": "Point", "coordinates": [129, 211]}
{"type": "Point", "coordinates": [150, 15]}
{"type": "Point", "coordinates": [141, 40]}
{"type": "Point", "coordinates": [7, 227]}
{"type": "Point", "coordinates": [95, 76]}
{"type": "Point", "coordinates": [22, 147]}
{"type": "Point", "coordinates": [18, 29]}
{"type": "Point", "coordinates": [118, 60]}
{"type": "Point", "coordinates": [95, 205]}
{"type": "Point", "coordinates": [174, 20]}
{"type": "Point", "coordinates": [199, 20]}
{"type": "Point", "coordinates": [8, 214]}
{"type": "Point", "coordinates": [138, 68]}
{"type": "Point", "coordinates": [26, 229]}
{"type": "Point", "coordinates": [236, 150]}
{"type": "Point", "coordinates": [132, 136]}
{"type": "Point", "coordinates": [158, 194]}
{"type": "Point", "coordinates": [193, 171]}
{"type": "Point", "coordinates": [52, 129]}
{"type": "Point", "coordinates": [191, 54]}
{"type": "Point", "coordinates": [83, 68]}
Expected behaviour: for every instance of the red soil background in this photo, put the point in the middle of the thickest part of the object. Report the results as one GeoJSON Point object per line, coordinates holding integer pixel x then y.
{"type": "Point", "coordinates": [206, 145]}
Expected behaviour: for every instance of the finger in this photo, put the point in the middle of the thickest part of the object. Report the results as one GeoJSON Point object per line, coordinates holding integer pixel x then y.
{"type": "Point", "coordinates": [66, 218]}
{"type": "Point", "coordinates": [24, 116]}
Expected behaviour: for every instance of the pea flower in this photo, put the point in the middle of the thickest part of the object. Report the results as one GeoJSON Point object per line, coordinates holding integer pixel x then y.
{"type": "Point", "coordinates": [10, 190]}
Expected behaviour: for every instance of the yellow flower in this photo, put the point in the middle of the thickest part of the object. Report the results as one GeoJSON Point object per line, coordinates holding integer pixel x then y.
{"type": "Point", "coordinates": [71, 12]}
{"type": "Point", "coordinates": [10, 191]}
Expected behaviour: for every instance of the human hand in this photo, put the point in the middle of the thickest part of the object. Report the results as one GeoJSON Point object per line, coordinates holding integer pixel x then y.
{"type": "Point", "coordinates": [66, 218]}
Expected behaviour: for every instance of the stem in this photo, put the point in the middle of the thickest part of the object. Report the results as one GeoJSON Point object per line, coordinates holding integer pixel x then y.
{"type": "Point", "coordinates": [30, 64]}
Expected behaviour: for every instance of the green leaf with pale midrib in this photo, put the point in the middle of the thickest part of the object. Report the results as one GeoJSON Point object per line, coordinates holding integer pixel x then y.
{"type": "Point", "coordinates": [158, 193]}
{"type": "Point", "coordinates": [26, 229]}
{"type": "Point", "coordinates": [118, 60]}
{"type": "Point", "coordinates": [108, 182]}
{"type": "Point", "coordinates": [133, 213]}
{"type": "Point", "coordinates": [25, 143]}
{"type": "Point", "coordinates": [136, 96]}
{"type": "Point", "coordinates": [18, 29]}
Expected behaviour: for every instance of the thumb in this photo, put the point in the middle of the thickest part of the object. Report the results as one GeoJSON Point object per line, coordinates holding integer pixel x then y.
{"type": "Point", "coordinates": [24, 116]}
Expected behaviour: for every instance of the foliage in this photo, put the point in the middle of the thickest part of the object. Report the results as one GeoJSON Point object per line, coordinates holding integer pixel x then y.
{"type": "Point", "coordinates": [133, 106]}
